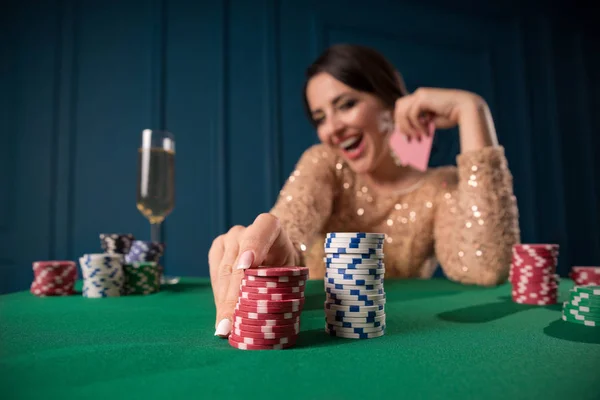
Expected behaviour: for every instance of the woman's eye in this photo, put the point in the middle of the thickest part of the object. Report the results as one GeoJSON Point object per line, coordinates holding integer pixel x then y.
{"type": "Point", "coordinates": [348, 104]}
{"type": "Point", "coordinates": [318, 121]}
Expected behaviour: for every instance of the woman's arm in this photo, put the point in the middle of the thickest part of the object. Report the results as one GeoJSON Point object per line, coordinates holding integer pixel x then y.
{"type": "Point", "coordinates": [306, 200]}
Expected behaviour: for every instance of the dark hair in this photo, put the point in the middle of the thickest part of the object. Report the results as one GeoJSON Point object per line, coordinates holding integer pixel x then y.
{"type": "Point", "coordinates": [362, 68]}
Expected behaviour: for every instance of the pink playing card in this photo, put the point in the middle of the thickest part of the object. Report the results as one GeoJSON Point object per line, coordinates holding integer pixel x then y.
{"type": "Point", "coordinates": [413, 153]}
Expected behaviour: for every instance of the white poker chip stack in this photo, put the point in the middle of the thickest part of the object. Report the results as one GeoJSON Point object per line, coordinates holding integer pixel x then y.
{"type": "Point", "coordinates": [102, 275]}
{"type": "Point", "coordinates": [355, 302]}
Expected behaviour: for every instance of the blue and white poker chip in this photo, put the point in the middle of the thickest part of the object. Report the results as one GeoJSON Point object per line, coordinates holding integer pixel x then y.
{"type": "Point", "coordinates": [354, 279]}
{"type": "Point", "coordinates": [357, 246]}
{"type": "Point", "coordinates": [334, 319]}
{"type": "Point", "coordinates": [354, 258]}
{"type": "Point", "coordinates": [355, 335]}
{"type": "Point", "coordinates": [342, 286]}
{"type": "Point", "coordinates": [353, 292]}
{"type": "Point", "coordinates": [336, 307]}
{"type": "Point", "coordinates": [380, 236]}
{"type": "Point", "coordinates": [344, 324]}
{"type": "Point", "coordinates": [358, 271]}
{"type": "Point", "coordinates": [335, 296]}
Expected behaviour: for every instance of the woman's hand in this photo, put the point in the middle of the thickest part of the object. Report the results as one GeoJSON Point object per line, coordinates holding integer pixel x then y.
{"type": "Point", "coordinates": [419, 113]}
{"type": "Point", "coordinates": [262, 243]}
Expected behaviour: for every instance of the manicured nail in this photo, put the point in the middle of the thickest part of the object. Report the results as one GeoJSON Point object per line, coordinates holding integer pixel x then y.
{"type": "Point", "coordinates": [223, 328]}
{"type": "Point", "coordinates": [245, 260]}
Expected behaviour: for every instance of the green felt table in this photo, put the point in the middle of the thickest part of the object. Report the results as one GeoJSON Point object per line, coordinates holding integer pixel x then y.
{"type": "Point", "coordinates": [443, 341]}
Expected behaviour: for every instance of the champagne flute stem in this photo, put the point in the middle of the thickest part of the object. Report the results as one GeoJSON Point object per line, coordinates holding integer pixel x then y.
{"type": "Point", "coordinates": [155, 232]}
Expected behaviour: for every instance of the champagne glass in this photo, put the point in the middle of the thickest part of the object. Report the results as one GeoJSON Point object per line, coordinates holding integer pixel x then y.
{"type": "Point", "coordinates": [156, 182]}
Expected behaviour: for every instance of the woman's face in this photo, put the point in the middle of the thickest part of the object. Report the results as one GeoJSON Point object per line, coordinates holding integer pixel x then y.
{"type": "Point", "coordinates": [347, 120]}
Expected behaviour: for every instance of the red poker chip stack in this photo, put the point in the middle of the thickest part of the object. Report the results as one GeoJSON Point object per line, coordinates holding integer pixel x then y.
{"type": "Point", "coordinates": [54, 278]}
{"type": "Point", "coordinates": [533, 274]}
{"type": "Point", "coordinates": [267, 315]}
{"type": "Point", "coordinates": [585, 276]}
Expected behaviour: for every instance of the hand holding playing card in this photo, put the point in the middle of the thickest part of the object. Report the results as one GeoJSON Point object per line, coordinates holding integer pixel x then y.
{"type": "Point", "coordinates": [414, 113]}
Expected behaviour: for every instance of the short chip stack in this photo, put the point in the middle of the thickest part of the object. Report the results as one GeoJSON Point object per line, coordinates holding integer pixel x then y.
{"type": "Point", "coordinates": [583, 306]}
{"type": "Point", "coordinates": [141, 278]}
{"type": "Point", "coordinates": [267, 315]}
{"type": "Point", "coordinates": [102, 275]}
{"type": "Point", "coordinates": [53, 278]}
{"type": "Point", "coordinates": [355, 302]}
{"type": "Point", "coordinates": [116, 243]}
{"type": "Point", "coordinates": [533, 274]}
{"type": "Point", "coordinates": [585, 276]}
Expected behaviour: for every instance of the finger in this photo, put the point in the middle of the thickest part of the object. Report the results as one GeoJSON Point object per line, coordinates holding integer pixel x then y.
{"type": "Point", "coordinates": [400, 117]}
{"type": "Point", "coordinates": [215, 255]}
{"type": "Point", "coordinates": [263, 237]}
{"type": "Point", "coordinates": [412, 115]}
{"type": "Point", "coordinates": [226, 277]}
{"type": "Point", "coordinates": [258, 240]}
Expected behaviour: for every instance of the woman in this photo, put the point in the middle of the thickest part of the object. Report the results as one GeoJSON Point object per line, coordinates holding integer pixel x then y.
{"type": "Point", "coordinates": [465, 217]}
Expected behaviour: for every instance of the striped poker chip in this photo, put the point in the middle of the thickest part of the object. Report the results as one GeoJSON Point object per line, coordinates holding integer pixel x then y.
{"type": "Point", "coordinates": [272, 284]}
{"type": "Point", "coordinates": [272, 297]}
{"type": "Point", "coordinates": [533, 274]}
{"type": "Point", "coordinates": [263, 342]}
{"type": "Point", "coordinates": [354, 258]}
{"type": "Point", "coordinates": [361, 271]}
{"type": "Point", "coordinates": [141, 278]}
{"type": "Point", "coordinates": [353, 292]}
{"type": "Point", "coordinates": [354, 314]}
{"type": "Point", "coordinates": [280, 322]}
{"type": "Point", "coordinates": [335, 296]}
{"type": "Point", "coordinates": [346, 335]}
{"type": "Point", "coordinates": [278, 271]}
{"type": "Point", "coordinates": [341, 286]}
{"type": "Point", "coordinates": [267, 314]}
{"type": "Point", "coordinates": [286, 335]}
{"type": "Point", "coordinates": [246, 346]}
{"type": "Point", "coordinates": [587, 291]}
{"type": "Point", "coordinates": [53, 278]}
{"type": "Point", "coordinates": [357, 235]}
{"type": "Point", "coordinates": [116, 243]}
{"type": "Point", "coordinates": [275, 290]}
{"type": "Point", "coordinates": [335, 319]}
{"type": "Point", "coordinates": [278, 279]}
{"type": "Point", "coordinates": [346, 242]}
{"type": "Point", "coordinates": [295, 328]}
{"type": "Point", "coordinates": [145, 251]}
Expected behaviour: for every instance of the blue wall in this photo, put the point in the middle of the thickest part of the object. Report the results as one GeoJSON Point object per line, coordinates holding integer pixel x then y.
{"type": "Point", "coordinates": [81, 79]}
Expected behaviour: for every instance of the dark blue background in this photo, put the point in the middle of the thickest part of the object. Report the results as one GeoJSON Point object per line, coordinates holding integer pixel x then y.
{"type": "Point", "coordinates": [81, 79]}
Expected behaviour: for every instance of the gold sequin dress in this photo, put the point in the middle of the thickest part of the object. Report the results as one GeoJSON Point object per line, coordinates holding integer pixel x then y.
{"type": "Point", "coordinates": [465, 218]}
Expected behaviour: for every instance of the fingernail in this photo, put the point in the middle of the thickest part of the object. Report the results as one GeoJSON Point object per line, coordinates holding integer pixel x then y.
{"type": "Point", "coordinates": [223, 328]}
{"type": "Point", "coordinates": [245, 260]}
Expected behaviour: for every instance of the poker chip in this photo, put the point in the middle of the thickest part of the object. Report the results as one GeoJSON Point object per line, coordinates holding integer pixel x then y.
{"type": "Point", "coordinates": [533, 274]}
{"type": "Point", "coordinates": [267, 314]}
{"type": "Point", "coordinates": [116, 243]}
{"type": "Point", "coordinates": [246, 346]}
{"type": "Point", "coordinates": [53, 278]}
{"type": "Point", "coordinates": [583, 306]}
{"type": "Point", "coordinates": [143, 251]}
{"type": "Point", "coordinates": [141, 278]}
{"type": "Point", "coordinates": [354, 285]}
{"type": "Point", "coordinates": [274, 296]}
{"type": "Point", "coordinates": [102, 275]}
{"type": "Point", "coordinates": [357, 235]}
{"type": "Point", "coordinates": [585, 276]}
{"type": "Point", "coordinates": [266, 284]}
{"type": "Point", "coordinates": [278, 272]}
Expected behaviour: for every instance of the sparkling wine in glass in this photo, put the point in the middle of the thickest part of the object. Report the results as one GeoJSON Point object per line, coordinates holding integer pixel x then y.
{"type": "Point", "coordinates": [156, 181]}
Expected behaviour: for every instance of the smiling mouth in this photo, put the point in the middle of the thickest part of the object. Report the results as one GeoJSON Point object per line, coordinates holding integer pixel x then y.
{"type": "Point", "coordinates": [351, 143]}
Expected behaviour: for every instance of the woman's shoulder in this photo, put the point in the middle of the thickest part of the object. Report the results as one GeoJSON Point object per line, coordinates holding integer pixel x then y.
{"type": "Point", "coordinates": [442, 176]}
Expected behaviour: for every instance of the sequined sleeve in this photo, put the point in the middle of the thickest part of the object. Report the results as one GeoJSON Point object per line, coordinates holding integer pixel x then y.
{"type": "Point", "coordinates": [305, 202]}
{"type": "Point", "coordinates": [476, 221]}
